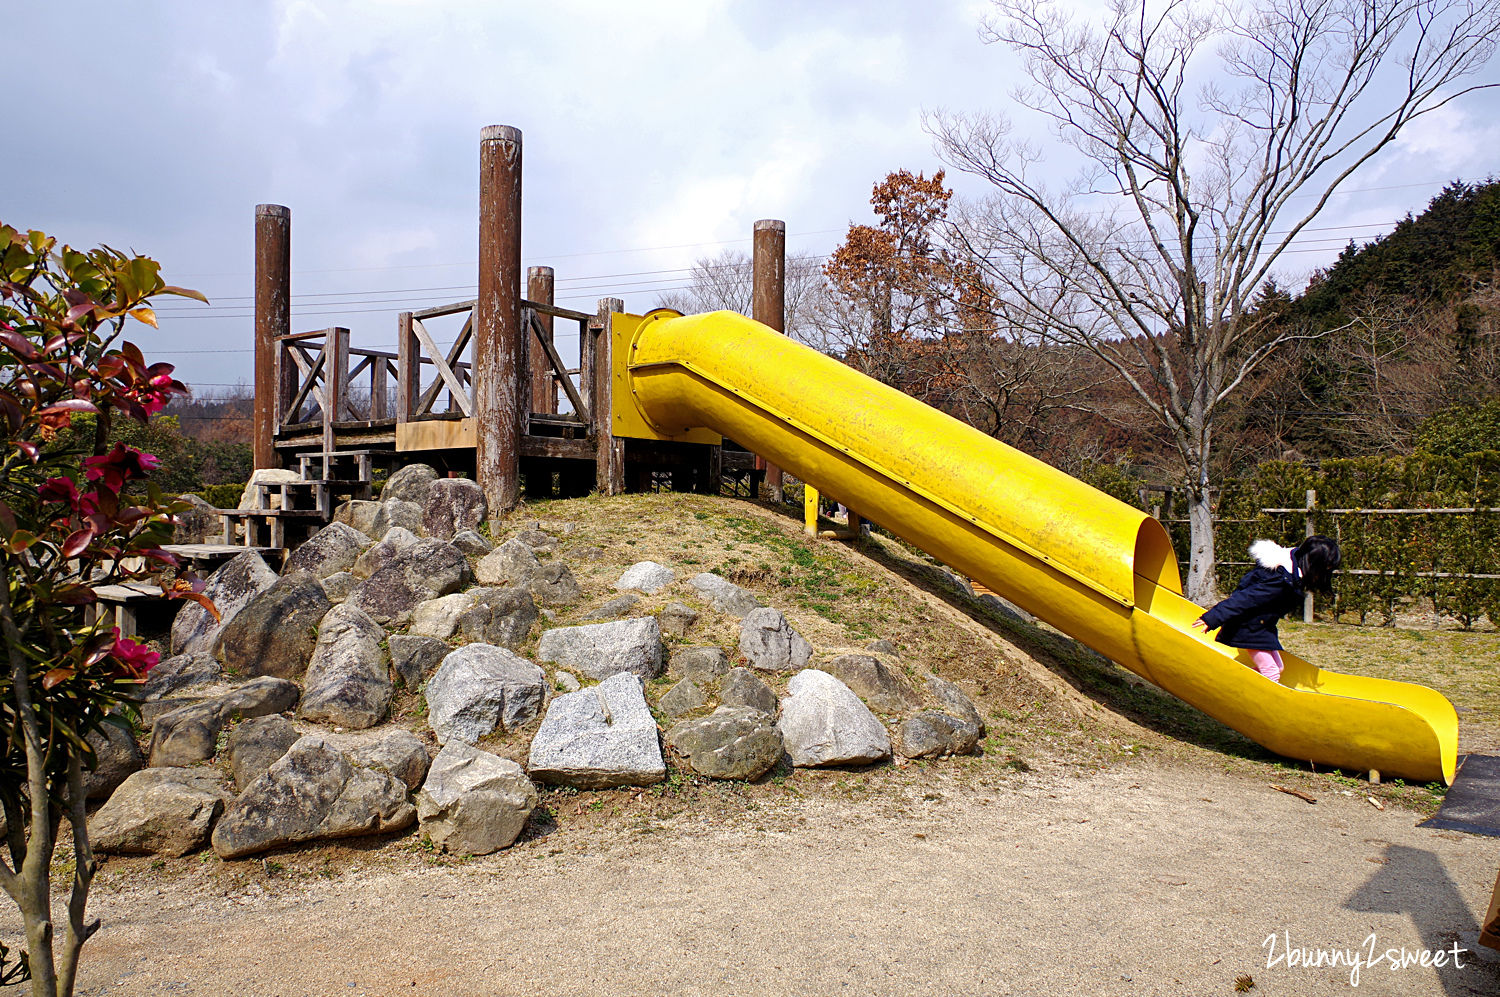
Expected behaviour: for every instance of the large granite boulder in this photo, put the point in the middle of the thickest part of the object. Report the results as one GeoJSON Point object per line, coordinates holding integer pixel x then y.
{"type": "Point", "coordinates": [348, 678]}
{"type": "Point", "coordinates": [770, 644]}
{"type": "Point", "coordinates": [252, 498]}
{"type": "Point", "coordinates": [684, 697]}
{"type": "Point", "coordinates": [338, 586]}
{"type": "Point", "coordinates": [676, 619]}
{"type": "Point", "coordinates": [882, 687]}
{"type": "Point", "coordinates": [471, 543]}
{"type": "Point", "coordinates": [473, 802]}
{"type": "Point", "coordinates": [539, 539]}
{"type": "Point", "coordinates": [358, 513]}
{"type": "Point", "coordinates": [725, 596]}
{"type": "Point", "coordinates": [197, 525]}
{"type": "Point", "coordinates": [190, 733]}
{"type": "Point", "coordinates": [379, 555]}
{"type": "Point", "coordinates": [414, 657]}
{"type": "Point", "coordinates": [397, 752]}
{"type": "Point", "coordinates": [742, 687]}
{"type": "Point", "coordinates": [276, 631]}
{"type": "Point", "coordinates": [425, 570]}
{"type": "Point", "coordinates": [598, 737]}
{"type": "Point", "coordinates": [116, 756]}
{"type": "Point", "coordinates": [439, 617]}
{"type": "Point", "coordinates": [182, 672]}
{"type": "Point", "coordinates": [312, 792]}
{"type": "Point", "coordinates": [701, 664]}
{"type": "Point", "coordinates": [730, 743]}
{"type": "Point", "coordinates": [453, 504]}
{"type": "Point", "coordinates": [955, 702]}
{"type": "Point", "coordinates": [409, 484]}
{"type": "Point", "coordinates": [255, 745]}
{"type": "Point", "coordinates": [599, 650]}
{"type": "Point", "coordinates": [332, 549]}
{"type": "Point", "coordinates": [395, 514]}
{"type": "Point", "coordinates": [502, 616]}
{"type": "Point", "coordinates": [159, 811]}
{"type": "Point", "coordinates": [230, 588]}
{"type": "Point", "coordinates": [646, 576]}
{"type": "Point", "coordinates": [479, 687]}
{"type": "Point", "coordinates": [824, 723]}
{"type": "Point", "coordinates": [554, 585]}
{"type": "Point", "coordinates": [619, 606]}
{"type": "Point", "coordinates": [511, 563]}
{"type": "Point", "coordinates": [931, 734]}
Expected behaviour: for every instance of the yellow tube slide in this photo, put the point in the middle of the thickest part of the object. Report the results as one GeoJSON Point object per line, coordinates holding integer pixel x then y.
{"type": "Point", "coordinates": [1090, 565]}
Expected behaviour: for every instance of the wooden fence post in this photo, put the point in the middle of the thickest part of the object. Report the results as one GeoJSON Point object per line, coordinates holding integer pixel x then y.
{"type": "Point", "coordinates": [609, 454]}
{"type": "Point", "coordinates": [539, 285]}
{"type": "Point", "coordinates": [768, 302]}
{"type": "Point", "coordinates": [273, 318]}
{"type": "Point", "coordinates": [1307, 597]}
{"type": "Point", "coordinates": [335, 386]}
{"type": "Point", "coordinates": [499, 350]}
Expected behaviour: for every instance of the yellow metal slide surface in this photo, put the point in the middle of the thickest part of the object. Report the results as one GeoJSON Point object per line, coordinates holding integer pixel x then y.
{"type": "Point", "coordinates": [1090, 565]}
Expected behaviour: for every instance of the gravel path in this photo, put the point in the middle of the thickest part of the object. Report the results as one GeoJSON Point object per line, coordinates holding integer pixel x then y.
{"type": "Point", "coordinates": [1144, 879]}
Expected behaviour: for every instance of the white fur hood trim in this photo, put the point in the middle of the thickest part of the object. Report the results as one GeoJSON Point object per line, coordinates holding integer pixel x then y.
{"type": "Point", "coordinates": [1270, 554]}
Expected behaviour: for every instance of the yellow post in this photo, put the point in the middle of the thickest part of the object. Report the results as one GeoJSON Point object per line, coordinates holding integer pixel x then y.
{"type": "Point", "coordinates": [809, 509]}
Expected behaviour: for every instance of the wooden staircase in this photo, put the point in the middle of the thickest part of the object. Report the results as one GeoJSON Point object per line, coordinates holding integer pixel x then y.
{"type": "Point", "coordinates": [300, 508]}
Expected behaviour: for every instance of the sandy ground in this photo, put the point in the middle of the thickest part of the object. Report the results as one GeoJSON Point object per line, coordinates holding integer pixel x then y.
{"type": "Point", "coordinates": [1150, 878]}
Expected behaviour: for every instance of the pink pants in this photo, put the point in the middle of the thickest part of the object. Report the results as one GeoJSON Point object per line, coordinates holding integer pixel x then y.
{"type": "Point", "coordinates": [1268, 663]}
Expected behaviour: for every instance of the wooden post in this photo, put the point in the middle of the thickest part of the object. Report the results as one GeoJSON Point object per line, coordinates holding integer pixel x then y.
{"type": "Point", "coordinates": [539, 281]}
{"type": "Point", "coordinates": [768, 301]}
{"type": "Point", "coordinates": [335, 387]}
{"type": "Point", "coordinates": [499, 350]}
{"type": "Point", "coordinates": [408, 369]}
{"type": "Point", "coordinates": [1307, 597]}
{"type": "Point", "coordinates": [809, 510]}
{"type": "Point", "coordinates": [609, 453]}
{"type": "Point", "coordinates": [273, 317]}
{"type": "Point", "coordinates": [379, 390]}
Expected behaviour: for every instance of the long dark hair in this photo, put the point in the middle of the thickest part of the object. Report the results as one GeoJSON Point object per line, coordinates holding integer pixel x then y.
{"type": "Point", "coordinates": [1317, 558]}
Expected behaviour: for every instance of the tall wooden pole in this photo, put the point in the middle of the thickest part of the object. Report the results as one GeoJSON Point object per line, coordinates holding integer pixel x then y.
{"type": "Point", "coordinates": [273, 317]}
{"type": "Point", "coordinates": [539, 282]}
{"type": "Point", "coordinates": [499, 350]}
{"type": "Point", "coordinates": [609, 453]}
{"type": "Point", "coordinates": [768, 301]}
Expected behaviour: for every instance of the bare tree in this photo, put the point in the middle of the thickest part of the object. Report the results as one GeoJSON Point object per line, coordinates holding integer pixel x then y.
{"type": "Point", "coordinates": [1152, 257]}
{"type": "Point", "coordinates": [725, 281]}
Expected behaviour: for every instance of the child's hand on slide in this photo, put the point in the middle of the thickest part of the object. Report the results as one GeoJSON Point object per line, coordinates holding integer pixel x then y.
{"type": "Point", "coordinates": [1199, 625]}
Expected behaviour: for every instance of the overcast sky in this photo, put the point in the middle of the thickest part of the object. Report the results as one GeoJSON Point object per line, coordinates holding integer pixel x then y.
{"type": "Point", "coordinates": [655, 133]}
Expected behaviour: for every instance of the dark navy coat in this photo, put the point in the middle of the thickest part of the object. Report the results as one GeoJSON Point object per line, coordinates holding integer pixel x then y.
{"type": "Point", "coordinates": [1248, 617]}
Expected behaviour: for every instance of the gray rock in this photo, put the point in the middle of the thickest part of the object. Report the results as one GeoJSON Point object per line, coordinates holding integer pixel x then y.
{"type": "Point", "coordinates": [251, 497]}
{"type": "Point", "coordinates": [931, 734]}
{"type": "Point", "coordinates": [348, 679]}
{"type": "Point", "coordinates": [200, 524]}
{"type": "Point", "coordinates": [425, 570]}
{"type": "Point", "coordinates": [383, 553]}
{"type": "Point", "coordinates": [770, 644]}
{"type": "Point", "coordinates": [724, 595]}
{"type": "Point", "coordinates": [332, 549]}
{"type": "Point", "coordinates": [502, 616]}
{"type": "Point", "coordinates": [274, 634]}
{"type": "Point", "coordinates": [409, 484]}
{"type": "Point", "coordinates": [414, 657]}
{"type": "Point", "coordinates": [398, 753]}
{"type": "Point", "coordinates": [453, 504]}
{"type": "Point", "coordinates": [565, 681]}
{"type": "Point", "coordinates": [598, 737]}
{"type": "Point", "coordinates": [676, 619]}
{"type": "Point", "coordinates": [395, 514]}
{"type": "Point", "coordinates": [473, 802]}
{"type": "Point", "coordinates": [955, 702]}
{"type": "Point", "coordinates": [181, 672]}
{"type": "Point", "coordinates": [742, 687]}
{"type": "Point", "coordinates": [312, 792]}
{"type": "Point", "coordinates": [824, 723]}
{"type": "Point", "coordinates": [337, 586]}
{"type": "Point", "coordinates": [471, 543]}
{"type": "Point", "coordinates": [190, 733]}
{"type": "Point", "coordinates": [684, 697]}
{"type": "Point", "coordinates": [359, 514]}
{"type": "Point", "coordinates": [883, 646]}
{"type": "Point", "coordinates": [255, 745]}
{"type": "Point", "coordinates": [554, 585]}
{"type": "Point", "coordinates": [537, 539]}
{"type": "Point", "coordinates": [702, 664]}
{"type": "Point", "coordinates": [153, 710]}
{"type": "Point", "coordinates": [881, 687]}
{"type": "Point", "coordinates": [230, 588]}
{"type": "Point", "coordinates": [730, 743]}
{"type": "Point", "coordinates": [615, 608]}
{"type": "Point", "coordinates": [511, 563]}
{"type": "Point", "coordinates": [439, 617]}
{"type": "Point", "coordinates": [116, 756]}
{"type": "Point", "coordinates": [599, 650]}
{"type": "Point", "coordinates": [646, 576]}
{"type": "Point", "coordinates": [1006, 608]}
{"type": "Point", "coordinates": [480, 687]}
{"type": "Point", "coordinates": [159, 811]}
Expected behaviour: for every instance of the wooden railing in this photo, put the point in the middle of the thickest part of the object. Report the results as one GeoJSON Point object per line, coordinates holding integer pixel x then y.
{"type": "Point", "coordinates": [317, 389]}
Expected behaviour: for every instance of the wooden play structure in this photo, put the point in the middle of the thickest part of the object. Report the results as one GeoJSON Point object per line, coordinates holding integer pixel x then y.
{"type": "Point", "coordinates": [496, 402]}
